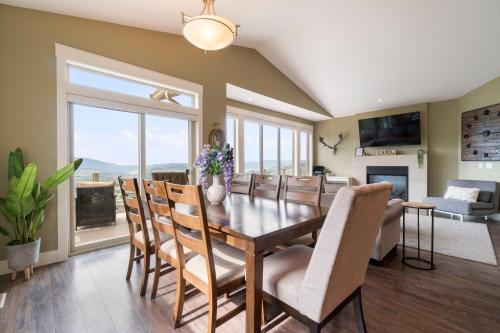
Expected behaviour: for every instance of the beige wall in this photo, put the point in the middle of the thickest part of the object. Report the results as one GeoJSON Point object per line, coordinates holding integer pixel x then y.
{"type": "Point", "coordinates": [341, 163]}
{"type": "Point", "coordinates": [487, 94]}
{"type": "Point", "coordinates": [28, 80]}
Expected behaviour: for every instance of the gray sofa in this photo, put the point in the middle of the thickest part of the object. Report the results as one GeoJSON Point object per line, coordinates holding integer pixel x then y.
{"type": "Point", "coordinates": [487, 202]}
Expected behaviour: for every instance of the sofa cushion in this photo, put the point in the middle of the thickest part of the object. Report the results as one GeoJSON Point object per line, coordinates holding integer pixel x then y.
{"type": "Point", "coordinates": [481, 205]}
{"type": "Point", "coordinates": [392, 211]}
{"type": "Point", "coordinates": [484, 196]}
{"type": "Point", "coordinates": [469, 194]}
{"type": "Point", "coordinates": [450, 205]}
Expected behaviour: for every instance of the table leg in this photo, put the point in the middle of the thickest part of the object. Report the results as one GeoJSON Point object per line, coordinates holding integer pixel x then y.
{"type": "Point", "coordinates": [432, 238]}
{"type": "Point", "coordinates": [404, 234]}
{"type": "Point", "coordinates": [254, 263]}
{"type": "Point", "coordinates": [418, 233]}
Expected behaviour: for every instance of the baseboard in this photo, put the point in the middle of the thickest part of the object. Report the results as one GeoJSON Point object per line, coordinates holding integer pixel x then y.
{"type": "Point", "coordinates": [46, 258]}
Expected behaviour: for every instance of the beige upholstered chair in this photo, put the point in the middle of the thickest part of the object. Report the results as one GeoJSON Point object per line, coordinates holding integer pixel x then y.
{"type": "Point", "coordinates": [214, 269]}
{"type": "Point", "coordinates": [242, 183]}
{"type": "Point", "coordinates": [313, 285]}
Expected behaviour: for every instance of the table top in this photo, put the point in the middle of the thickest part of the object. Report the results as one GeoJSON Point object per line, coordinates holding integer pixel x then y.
{"type": "Point", "coordinates": [250, 218]}
{"type": "Point", "coordinates": [419, 205]}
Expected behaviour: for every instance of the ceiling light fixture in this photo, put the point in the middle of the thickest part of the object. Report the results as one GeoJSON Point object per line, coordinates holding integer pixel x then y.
{"type": "Point", "coordinates": [208, 31]}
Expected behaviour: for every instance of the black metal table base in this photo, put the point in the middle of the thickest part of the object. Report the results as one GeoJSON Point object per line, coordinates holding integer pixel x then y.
{"type": "Point", "coordinates": [428, 263]}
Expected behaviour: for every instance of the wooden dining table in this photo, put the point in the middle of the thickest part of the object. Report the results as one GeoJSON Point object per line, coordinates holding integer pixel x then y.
{"type": "Point", "coordinates": [254, 225]}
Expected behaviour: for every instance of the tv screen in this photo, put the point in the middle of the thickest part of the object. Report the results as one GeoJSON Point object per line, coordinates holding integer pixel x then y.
{"type": "Point", "coordinates": [396, 130]}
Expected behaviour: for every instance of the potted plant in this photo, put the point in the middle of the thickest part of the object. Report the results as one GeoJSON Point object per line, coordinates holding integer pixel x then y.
{"type": "Point", "coordinates": [24, 206]}
{"type": "Point", "coordinates": [214, 161]}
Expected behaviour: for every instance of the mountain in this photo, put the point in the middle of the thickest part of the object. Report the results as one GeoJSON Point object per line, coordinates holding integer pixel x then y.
{"type": "Point", "coordinates": [90, 164]}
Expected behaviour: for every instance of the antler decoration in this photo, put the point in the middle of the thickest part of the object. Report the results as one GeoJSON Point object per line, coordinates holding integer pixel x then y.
{"type": "Point", "coordinates": [334, 147]}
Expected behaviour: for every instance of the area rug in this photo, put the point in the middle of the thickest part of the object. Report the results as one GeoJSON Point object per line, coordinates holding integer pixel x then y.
{"type": "Point", "coordinates": [467, 240]}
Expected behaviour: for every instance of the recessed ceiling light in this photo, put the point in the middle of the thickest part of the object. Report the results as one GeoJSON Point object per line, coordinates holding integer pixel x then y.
{"type": "Point", "coordinates": [380, 100]}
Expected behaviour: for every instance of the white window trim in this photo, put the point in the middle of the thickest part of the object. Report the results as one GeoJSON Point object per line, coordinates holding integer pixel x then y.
{"type": "Point", "coordinates": [241, 115]}
{"type": "Point", "coordinates": [71, 93]}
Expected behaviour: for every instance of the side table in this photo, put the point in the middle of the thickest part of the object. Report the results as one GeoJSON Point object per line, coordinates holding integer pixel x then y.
{"type": "Point", "coordinates": [407, 260]}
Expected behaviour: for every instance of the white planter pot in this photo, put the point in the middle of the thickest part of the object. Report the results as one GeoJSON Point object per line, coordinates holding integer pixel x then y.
{"type": "Point", "coordinates": [24, 255]}
{"type": "Point", "coordinates": [217, 192]}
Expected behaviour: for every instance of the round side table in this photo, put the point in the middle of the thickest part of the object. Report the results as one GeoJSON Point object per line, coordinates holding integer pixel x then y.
{"type": "Point", "coordinates": [428, 265]}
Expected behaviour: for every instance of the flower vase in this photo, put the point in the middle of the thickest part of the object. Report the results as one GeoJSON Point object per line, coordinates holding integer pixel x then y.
{"type": "Point", "coordinates": [216, 192]}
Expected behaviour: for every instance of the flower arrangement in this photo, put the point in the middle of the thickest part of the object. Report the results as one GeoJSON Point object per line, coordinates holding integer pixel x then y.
{"type": "Point", "coordinates": [215, 161]}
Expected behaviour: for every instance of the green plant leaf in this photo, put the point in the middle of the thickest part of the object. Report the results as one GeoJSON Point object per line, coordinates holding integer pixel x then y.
{"type": "Point", "coordinates": [4, 231]}
{"type": "Point", "coordinates": [27, 181]}
{"type": "Point", "coordinates": [16, 164]}
{"type": "Point", "coordinates": [43, 200]}
{"type": "Point", "coordinates": [27, 205]}
{"type": "Point", "coordinates": [12, 201]}
{"type": "Point", "coordinates": [62, 174]}
{"type": "Point", "coordinates": [10, 218]}
{"type": "Point", "coordinates": [37, 221]}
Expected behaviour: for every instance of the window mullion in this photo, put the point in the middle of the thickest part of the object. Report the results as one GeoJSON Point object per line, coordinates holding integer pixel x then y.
{"type": "Point", "coordinates": [142, 146]}
{"type": "Point", "coordinates": [261, 150]}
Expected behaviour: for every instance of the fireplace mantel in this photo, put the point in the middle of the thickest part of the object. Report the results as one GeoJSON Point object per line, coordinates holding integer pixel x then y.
{"type": "Point", "coordinates": [417, 177]}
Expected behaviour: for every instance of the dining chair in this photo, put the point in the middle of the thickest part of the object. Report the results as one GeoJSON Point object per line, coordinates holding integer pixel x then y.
{"type": "Point", "coordinates": [305, 190]}
{"type": "Point", "coordinates": [242, 183]}
{"type": "Point", "coordinates": [266, 186]}
{"type": "Point", "coordinates": [313, 285]}
{"type": "Point", "coordinates": [181, 178]}
{"type": "Point", "coordinates": [141, 244]}
{"type": "Point", "coordinates": [214, 270]}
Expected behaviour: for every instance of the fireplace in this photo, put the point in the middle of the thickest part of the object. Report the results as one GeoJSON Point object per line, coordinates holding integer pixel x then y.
{"type": "Point", "coordinates": [396, 175]}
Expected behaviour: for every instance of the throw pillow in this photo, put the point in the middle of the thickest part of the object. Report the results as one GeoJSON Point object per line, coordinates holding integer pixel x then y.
{"type": "Point", "coordinates": [484, 196]}
{"type": "Point", "coordinates": [462, 193]}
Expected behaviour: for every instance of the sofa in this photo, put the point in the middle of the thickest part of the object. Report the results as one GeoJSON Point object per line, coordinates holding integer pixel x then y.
{"type": "Point", "coordinates": [487, 202]}
{"type": "Point", "coordinates": [389, 233]}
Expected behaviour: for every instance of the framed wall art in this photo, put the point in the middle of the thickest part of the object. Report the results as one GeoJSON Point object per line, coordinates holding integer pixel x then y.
{"type": "Point", "coordinates": [481, 134]}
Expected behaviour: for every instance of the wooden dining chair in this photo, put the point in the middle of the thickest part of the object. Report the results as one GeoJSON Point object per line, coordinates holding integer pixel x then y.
{"type": "Point", "coordinates": [242, 183]}
{"type": "Point", "coordinates": [305, 190]}
{"type": "Point", "coordinates": [141, 244]}
{"type": "Point", "coordinates": [181, 178]}
{"type": "Point", "coordinates": [266, 186]}
{"type": "Point", "coordinates": [313, 285]}
{"type": "Point", "coordinates": [214, 270]}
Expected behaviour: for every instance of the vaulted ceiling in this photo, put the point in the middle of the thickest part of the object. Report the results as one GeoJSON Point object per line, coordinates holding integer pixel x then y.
{"type": "Point", "coordinates": [349, 55]}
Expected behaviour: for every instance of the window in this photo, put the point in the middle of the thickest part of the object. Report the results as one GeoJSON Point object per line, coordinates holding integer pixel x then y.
{"type": "Point", "coordinates": [167, 144]}
{"type": "Point", "coordinates": [231, 131]}
{"type": "Point", "coordinates": [122, 85]}
{"type": "Point", "coordinates": [270, 150]}
{"type": "Point", "coordinates": [252, 147]}
{"type": "Point", "coordinates": [286, 151]}
{"type": "Point", "coordinates": [304, 154]}
{"type": "Point", "coordinates": [269, 145]}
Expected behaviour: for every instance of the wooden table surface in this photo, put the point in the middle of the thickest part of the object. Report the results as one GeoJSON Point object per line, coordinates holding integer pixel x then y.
{"type": "Point", "coordinates": [254, 225]}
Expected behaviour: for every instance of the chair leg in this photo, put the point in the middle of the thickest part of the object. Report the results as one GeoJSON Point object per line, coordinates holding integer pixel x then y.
{"type": "Point", "coordinates": [130, 261]}
{"type": "Point", "coordinates": [156, 277]}
{"type": "Point", "coordinates": [138, 253]}
{"type": "Point", "coordinates": [179, 299]}
{"type": "Point", "coordinates": [145, 274]}
{"type": "Point", "coordinates": [358, 312]}
{"type": "Point", "coordinates": [212, 312]}
{"type": "Point", "coordinates": [314, 327]}
{"type": "Point", "coordinates": [263, 314]}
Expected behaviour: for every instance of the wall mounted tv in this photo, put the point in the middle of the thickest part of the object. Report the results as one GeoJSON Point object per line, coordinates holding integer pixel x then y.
{"type": "Point", "coordinates": [396, 130]}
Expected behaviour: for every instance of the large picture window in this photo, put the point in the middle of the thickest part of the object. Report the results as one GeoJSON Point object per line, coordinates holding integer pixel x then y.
{"type": "Point", "coordinates": [269, 145]}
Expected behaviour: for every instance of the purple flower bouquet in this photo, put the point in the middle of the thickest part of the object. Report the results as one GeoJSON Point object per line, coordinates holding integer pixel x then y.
{"type": "Point", "coordinates": [215, 161]}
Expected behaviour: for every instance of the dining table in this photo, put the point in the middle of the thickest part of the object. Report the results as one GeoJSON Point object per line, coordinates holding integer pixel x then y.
{"type": "Point", "coordinates": [255, 225]}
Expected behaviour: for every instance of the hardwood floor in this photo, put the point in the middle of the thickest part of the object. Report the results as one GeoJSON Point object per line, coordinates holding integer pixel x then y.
{"type": "Point", "coordinates": [88, 293]}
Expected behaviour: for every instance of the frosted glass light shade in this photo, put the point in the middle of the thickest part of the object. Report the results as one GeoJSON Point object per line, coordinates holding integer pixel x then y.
{"type": "Point", "coordinates": [209, 32]}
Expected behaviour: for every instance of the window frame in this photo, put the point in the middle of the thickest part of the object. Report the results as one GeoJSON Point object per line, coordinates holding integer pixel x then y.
{"type": "Point", "coordinates": [70, 93]}
{"type": "Point", "coordinates": [262, 119]}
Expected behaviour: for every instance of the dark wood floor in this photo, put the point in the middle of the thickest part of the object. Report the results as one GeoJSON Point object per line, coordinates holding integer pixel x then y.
{"type": "Point", "coordinates": [88, 293]}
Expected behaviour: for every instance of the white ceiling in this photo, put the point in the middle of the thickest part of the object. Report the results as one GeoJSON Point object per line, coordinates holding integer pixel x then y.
{"type": "Point", "coordinates": [346, 54]}
{"type": "Point", "coordinates": [249, 97]}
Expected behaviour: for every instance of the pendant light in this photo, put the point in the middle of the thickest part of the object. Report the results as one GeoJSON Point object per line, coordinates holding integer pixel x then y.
{"type": "Point", "coordinates": [208, 31]}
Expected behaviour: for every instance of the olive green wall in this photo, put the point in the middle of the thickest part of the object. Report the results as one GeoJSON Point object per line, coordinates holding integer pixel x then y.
{"type": "Point", "coordinates": [441, 138]}
{"type": "Point", "coordinates": [28, 80]}
{"type": "Point", "coordinates": [487, 94]}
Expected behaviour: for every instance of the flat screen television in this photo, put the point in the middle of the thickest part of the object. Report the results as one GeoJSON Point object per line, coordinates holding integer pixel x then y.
{"type": "Point", "coordinates": [396, 130]}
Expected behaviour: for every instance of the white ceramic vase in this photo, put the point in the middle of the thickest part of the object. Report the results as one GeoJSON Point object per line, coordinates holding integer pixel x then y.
{"type": "Point", "coordinates": [216, 192]}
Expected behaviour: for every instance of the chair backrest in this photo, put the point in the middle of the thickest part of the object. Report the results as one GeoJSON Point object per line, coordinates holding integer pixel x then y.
{"type": "Point", "coordinates": [241, 183]}
{"type": "Point", "coordinates": [266, 186]}
{"type": "Point", "coordinates": [133, 207]}
{"type": "Point", "coordinates": [188, 212]}
{"type": "Point", "coordinates": [303, 189]}
{"type": "Point", "coordinates": [180, 178]}
{"type": "Point", "coordinates": [340, 258]}
{"type": "Point", "coordinates": [159, 211]}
